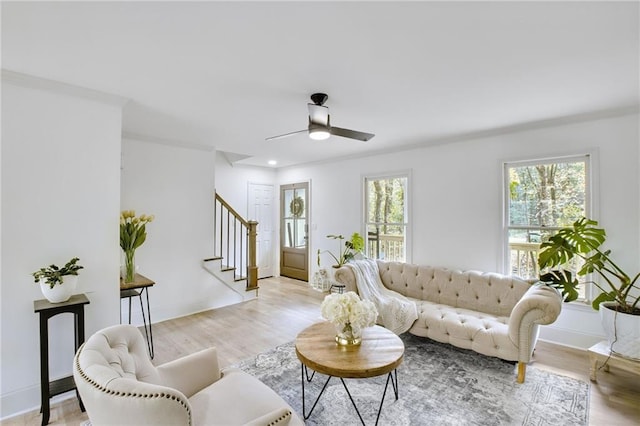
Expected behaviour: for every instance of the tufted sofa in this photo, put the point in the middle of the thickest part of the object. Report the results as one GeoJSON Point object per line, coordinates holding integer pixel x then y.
{"type": "Point", "coordinates": [119, 385]}
{"type": "Point", "coordinates": [492, 314]}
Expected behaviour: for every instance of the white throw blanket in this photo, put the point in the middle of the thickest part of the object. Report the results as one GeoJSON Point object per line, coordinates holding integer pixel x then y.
{"type": "Point", "coordinates": [396, 312]}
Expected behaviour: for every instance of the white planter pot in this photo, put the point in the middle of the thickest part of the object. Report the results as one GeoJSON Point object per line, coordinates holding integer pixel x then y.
{"type": "Point", "coordinates": [622, 331]}
{"type": "Point", "coordinates": [60, 292]}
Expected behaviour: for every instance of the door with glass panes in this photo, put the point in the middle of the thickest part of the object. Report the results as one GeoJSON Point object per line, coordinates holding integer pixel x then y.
{"type": "Point", "coordinates": [294, 247]}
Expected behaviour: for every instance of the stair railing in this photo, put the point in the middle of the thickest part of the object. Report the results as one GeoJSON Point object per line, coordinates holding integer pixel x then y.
{"type": "Point", "coordinates": [235, 242]}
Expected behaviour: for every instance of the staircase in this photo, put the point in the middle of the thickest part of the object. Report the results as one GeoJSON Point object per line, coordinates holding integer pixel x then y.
{"type": "Point", "coordinates": [234, 260]}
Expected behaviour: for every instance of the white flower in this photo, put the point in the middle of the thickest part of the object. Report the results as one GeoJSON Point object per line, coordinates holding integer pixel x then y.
{"type": "Point", "coordinates": [347, 308]}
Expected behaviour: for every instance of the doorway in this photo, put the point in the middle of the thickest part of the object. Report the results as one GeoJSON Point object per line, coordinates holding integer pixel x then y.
{"type": "Point", "coordinates": [260, 209]}
{"type": "Point", "coordinates": [294, 244]}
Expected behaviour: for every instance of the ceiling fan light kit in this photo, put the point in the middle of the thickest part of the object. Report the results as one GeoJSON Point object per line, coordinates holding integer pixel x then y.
{"type": "Point", "coordinates": [319, 125]}
{"type": "Point", "coordinates": [318, 133]}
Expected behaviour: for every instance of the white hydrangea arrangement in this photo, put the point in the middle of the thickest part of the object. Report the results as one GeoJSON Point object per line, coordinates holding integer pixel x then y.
{"type": "Point", "coordinates": [348, 312]}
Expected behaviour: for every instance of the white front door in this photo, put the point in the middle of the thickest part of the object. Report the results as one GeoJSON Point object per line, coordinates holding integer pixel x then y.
{"type": "Point", "coordinates": [260, 206]}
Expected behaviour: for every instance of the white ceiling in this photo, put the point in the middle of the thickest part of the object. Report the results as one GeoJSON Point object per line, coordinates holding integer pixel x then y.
{"type": "Point", "coordinates": [230, 74]}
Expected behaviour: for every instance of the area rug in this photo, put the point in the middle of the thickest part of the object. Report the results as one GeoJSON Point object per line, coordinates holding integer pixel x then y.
{"type": "Point", "coordinates": [438, 385]}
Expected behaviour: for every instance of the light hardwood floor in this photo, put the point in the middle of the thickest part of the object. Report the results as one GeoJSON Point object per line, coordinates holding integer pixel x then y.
{"type": "Point", "coordinates": [285, 307]}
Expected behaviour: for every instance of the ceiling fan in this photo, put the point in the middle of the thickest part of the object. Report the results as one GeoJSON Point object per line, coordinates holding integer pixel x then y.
{"type": "Point", "coordinates": [319, 123]}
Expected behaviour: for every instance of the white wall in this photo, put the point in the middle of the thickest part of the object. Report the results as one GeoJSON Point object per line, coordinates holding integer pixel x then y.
{"type": "Point", "coordinates": [457, 199]}
{"type": "Point", "coordinates": [232, 181]}
{"type": "Point", "coordinates": [60, 199]}
{"type": "Point", "coordinates": [176, 184]}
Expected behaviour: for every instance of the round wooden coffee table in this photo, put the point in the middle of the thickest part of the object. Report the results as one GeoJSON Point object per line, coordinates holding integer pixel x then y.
{"type": "Point", "coordinates": [380, 352]}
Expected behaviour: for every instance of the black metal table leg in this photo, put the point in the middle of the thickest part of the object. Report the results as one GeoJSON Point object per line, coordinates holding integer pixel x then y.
{"type": "Point", "coordinates": [146, 316]}
{"type": "Point", "coordinates": [150, 336]}
{"type": "Point", "coordinates": [391, 377]}
{"type": "Point", "coordinates": [303, 370]}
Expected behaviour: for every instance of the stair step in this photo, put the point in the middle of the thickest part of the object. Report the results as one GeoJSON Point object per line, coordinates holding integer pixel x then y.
{"type": "Point", "coordinates": [210, 259]}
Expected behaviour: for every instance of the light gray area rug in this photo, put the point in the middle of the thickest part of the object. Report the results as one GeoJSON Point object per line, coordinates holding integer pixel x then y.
{"type": "Point", "coordinates": [438, 384]}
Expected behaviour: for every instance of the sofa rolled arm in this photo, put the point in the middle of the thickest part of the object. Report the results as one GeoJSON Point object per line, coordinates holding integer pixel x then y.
{"type": "Point", "coordinates": [192, 373]}
{"type": "Point", "coordinates": [344, 275]}
{"type": "Point", "coordinates": [541, 305]}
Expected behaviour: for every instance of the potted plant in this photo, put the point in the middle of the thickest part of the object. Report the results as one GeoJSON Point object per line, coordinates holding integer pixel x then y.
{"type": "Point", "coordinates": [617, 302]}
{"type": "Point", "coordinates": [347, 251]}
{"type": "Point", "coordinates": [57, 284]}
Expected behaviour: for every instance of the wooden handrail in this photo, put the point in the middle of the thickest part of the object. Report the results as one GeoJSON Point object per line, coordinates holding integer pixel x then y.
{"type": "Point", "coordinates": [229, 242]}
{"type": "Point", "coordinates": [232, 210]}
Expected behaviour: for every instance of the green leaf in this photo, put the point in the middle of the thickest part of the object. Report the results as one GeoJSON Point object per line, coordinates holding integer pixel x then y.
{"type": "Point", "coordinates": [556, 251]}
{"type": "Point", "coordinates": [564, 281]}
{"type": "Point", "coordinates": [581, 238]}
{"type": "Point", "coordinates": [603, 297]}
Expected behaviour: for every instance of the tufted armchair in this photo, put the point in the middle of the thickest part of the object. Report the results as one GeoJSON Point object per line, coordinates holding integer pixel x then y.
{"type": "Point", "coordinates": [492, 314]}
{"type": "Point", "coordinates": [119, 385]}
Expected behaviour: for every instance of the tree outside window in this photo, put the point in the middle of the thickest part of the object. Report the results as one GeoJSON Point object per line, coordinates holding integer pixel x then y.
{"type": "Point", "coordinates": [542, 197]}
{"type": "Point", "coordinates": [386, 217]}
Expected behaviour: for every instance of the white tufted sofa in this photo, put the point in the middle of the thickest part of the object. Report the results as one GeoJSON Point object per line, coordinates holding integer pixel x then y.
{"type": "Point", "coordinates": [119, 386]}
{"type": "Point", "coordinates": [492, 314]}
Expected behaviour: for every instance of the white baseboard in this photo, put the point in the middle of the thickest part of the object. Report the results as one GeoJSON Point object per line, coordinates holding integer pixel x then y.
{"type": "Point", "coordinates": [27, 400]}
{"type": "Point", "coordinates": [571, 338]}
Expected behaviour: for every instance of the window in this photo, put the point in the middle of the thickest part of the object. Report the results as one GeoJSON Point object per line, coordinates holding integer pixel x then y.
{"type": "Point", "coordinates": [386, 219]}
{"type": "Point", "coordinates": [542, 197]}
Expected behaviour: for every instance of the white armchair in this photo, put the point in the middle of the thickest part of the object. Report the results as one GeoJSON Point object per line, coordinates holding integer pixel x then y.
{"type": "Point", "coordinates": [119, 385]}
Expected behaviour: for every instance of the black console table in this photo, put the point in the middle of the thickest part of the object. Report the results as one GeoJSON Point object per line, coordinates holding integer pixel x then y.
{"type": "Point", "coordinates": [46, 309]}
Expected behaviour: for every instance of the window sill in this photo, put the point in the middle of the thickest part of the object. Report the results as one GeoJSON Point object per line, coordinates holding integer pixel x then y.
{"type": "Point", "coordinates": [581, 306]}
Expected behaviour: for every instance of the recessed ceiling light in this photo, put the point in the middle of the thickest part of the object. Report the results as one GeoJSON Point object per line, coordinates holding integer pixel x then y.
{"type": "Point", "coordinates": [272, 162]}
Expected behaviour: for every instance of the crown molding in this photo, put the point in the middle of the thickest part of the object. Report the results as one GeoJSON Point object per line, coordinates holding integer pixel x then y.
{"type": "Point", "coordinates": [33, 82]}
{"type": "Point", "coordinates": [166, 141]}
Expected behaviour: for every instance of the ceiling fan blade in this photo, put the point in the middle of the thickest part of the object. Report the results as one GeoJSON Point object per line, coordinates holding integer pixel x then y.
{"type": "Point", "coordinates": [287, 134]}
{"type": "Point", "coordinates": [351, 134]}
{"type": "Point", "coordinates": [318, 114]}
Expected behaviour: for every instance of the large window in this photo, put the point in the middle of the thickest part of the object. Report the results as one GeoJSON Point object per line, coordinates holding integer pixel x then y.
{"type": "Point", "coordinates": [386, 218]}
{"type": "Point", "coordinates": [542, 197]}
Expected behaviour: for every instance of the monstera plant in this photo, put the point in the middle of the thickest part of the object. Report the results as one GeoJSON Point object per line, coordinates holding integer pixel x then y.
{"type": "Point", "coordinates": [618, 300]}
{"type": "Point", "coordinates": [584, 240]}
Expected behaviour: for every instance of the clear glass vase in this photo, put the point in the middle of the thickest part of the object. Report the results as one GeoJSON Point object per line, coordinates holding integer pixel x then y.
{"type": "Point", "coordinates": [129, 270]}
{"type": "Point", "coordinates": [346, 336]}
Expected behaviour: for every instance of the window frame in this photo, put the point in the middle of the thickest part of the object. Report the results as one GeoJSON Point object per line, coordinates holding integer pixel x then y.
{"type": "Point", "coordinates": [591, 160]}
{"type": "Point", "coordinates": [365, 178]}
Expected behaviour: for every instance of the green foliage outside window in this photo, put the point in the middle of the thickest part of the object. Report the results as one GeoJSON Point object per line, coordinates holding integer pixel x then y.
{"type": "Point", "coordinates": [386, 219]}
